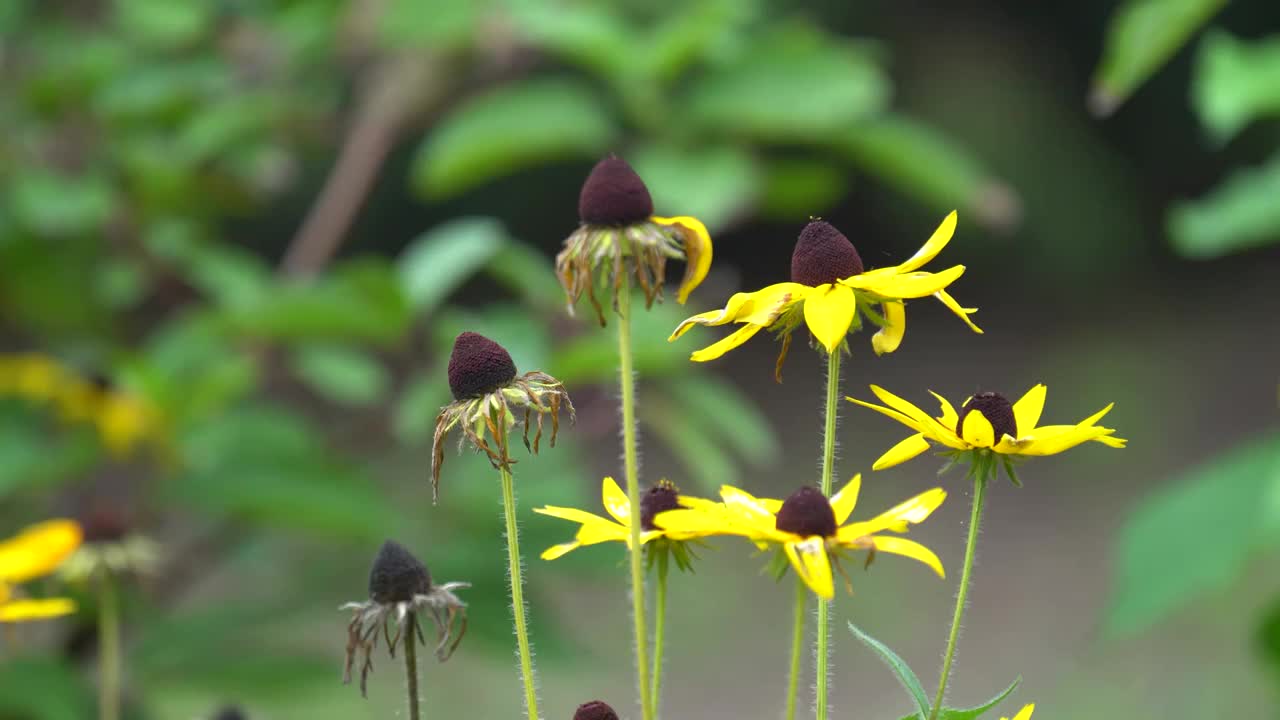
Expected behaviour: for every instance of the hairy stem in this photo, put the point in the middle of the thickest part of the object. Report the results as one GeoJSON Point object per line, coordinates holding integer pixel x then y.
{"type": "Point", "coordinates": [108, 649]}
{"type": "Point", "coordinates": [828, 469]}
{"type": "Point", "coordinates": [411, 663]}
{"type": "Point", "coordinates": [797, 643]}
{"type": "Point", "coordinates": [975, 519]}
{"type": "Point", "coordinates": [659, 627]}
{"type": "Point", "coordinates": [517, 595]}
{"type": "Point", "coordinates": [631, 461]}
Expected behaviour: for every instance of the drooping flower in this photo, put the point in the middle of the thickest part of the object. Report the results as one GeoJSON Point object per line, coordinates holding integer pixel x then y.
{"type": "Point", "coordinates": [488, 400]}
{"type": "Point", "coordinates": [595, 710]}
{"type": "Point", "coordinates": [33, 553]}
{"type": "Point", "coordinates": [830, 291]}
{"type": "Point", "coordinates": [596, 529]}
{"type": "Point", "coordinates": [400, 587]}
{"type": "Point", "coordinates": [987, 427]}
{"type": "Point", "coordinates": [809, 528]}
{"type": "Point", "coordinates": [620, 238]}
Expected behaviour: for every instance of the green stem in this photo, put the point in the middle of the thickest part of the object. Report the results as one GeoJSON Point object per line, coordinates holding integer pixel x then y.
{"type": "Point", "coordinates": [659, 626]}
{"type": "Point", "coordinates": [108, 649]}
{"type": "Point", "coordinates": [975, 519]}
{"type": "Point", "coordinates": [797, 642]}
{"type": "Point", "coordinates": [828, 470]}
{"type": "Point", "coordinates": [411, 663]}
{"type": "Point", "coordinates": [517, 595]}
{"type": "Point", "coordinates": [631, 462]}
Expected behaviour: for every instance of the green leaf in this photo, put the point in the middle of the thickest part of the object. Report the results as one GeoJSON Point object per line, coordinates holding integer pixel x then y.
{"type": "Point", "coordinates": [529, 272]}
{"type": "Point", "coordinates": [591, 35]}
{"type": "Point", "coordinates": [430, 23]}
{"type": "Point", "coordinates": [47, 203]}
{"type": "Point", "coordinates": [1268, 637]}
{"type": "Point", "coordinates": [163, 24]}
{"type": "Point", "coordinates": [1238, 215]}
{"type": "Point", "coordinates": [508, 129]}
{"type": "Point", "coordinates": [1142, 36]}
{"type": "Point", "coordinates": [229, 275]}
{"type": "Point", "coordinates": [1163, 561]}
{"type": "Point", "coordinates": [794, 85]}
{"type": "Point", "coordinates": [29, 458]}
{"type": "Point", "coordinates": [899, 667]}
{"type": "Point", "coordinates": [921, 162]}
{"type": "Point", "coordinates": [720, 406]}
{"type": "Point", "coordinates": [342, 374]}
{"type": "Point", "coordinates": [975, 712]}
{"type": "Point", "coordinates": [43, 689]}
{"type": "Point", "coordinates": [1235, 82]}
{"type": "Point", "coordinates": [711, 183]}
{"type": "Point", "coordinates": [440, 260]}
{"type": "Point", "coordinates": [799, 189]}
{"type": "Point", "coordinates": [690, 32]}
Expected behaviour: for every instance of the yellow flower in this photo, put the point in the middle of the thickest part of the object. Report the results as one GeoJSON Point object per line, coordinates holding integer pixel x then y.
{"type": "Point", "coordinates": [620, 237]}
{"type": "Point", "coordinates": [1024, 713]}
{"type": "Point", "coordinates": [808, 527]}
{"type": "Point", "coordinates": [595, 529]}
{"type": "Point", "coordinates": [33, 553]}
{"type": "Point", "coordinates": [987, 423]}
{"type": "Point", "coordinates": [828, 291]}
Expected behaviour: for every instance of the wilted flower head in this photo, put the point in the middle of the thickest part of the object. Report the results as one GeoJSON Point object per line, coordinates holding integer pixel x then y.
{"type": "Point", "coordinates": [112, 545]}
{"type": "Point", "coordinates": [488, 395]}
{"type": "Point", "coordinates": [399, 587]}
{"type": "Point", "coordinates": [619, 237]}
{"type": "Point", "coordinates": [595, 710]}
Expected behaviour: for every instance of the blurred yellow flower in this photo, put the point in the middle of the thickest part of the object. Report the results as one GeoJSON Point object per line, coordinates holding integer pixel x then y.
{"type": "Point", "coordinates": [808, 527]}
{"type": "Point", "coordinates": [1024, 713]}
{"type": "Point", "coordinates": [828, 290]}
{"type": "Point", "coordinates": [595, 529]}
{"type": "Point", "coordinates": [35, 552]}
{"type": "Point", "coordinates": [986, 422]}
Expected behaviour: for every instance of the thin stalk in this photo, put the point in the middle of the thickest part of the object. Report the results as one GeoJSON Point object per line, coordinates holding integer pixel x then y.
{"type": "Point", "coordinates": [411, 663]}
{"type": "Point", "coordinates": [797, 642]}
{"type": "Point", "coordinates": [631, 462]}
{"type": "Point", "coordinates": [975, 519]}
{"type": "Point", "coordinates": [828, 469]}
{"type": "Point", "coordinates": [108, 649]}
{"type": "Point", "coordinates": [659, 626]}
{"type": "Point", "coordinates": [517, 595]}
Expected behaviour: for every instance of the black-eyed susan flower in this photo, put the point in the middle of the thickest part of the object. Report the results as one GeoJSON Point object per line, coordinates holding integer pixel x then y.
{"type": "Point", "coordinates": [489, 399]}
{"type": "Point", "coordinates": [595, 710]}
{"type": "Point", "coordinates": [617, 527]}
{"type": "Point", "coordinates": [619, 238]}
{"type": "Point", "coordinates": [400, 587]}
{"type": "Point", "coordinates": [33, 553]}
{"type": "Point", "coordinates": [830, 291]}
{"type": "Point", "coordinates": [809, 528]}
{"type": "Point", "coordinates": [986, 429]}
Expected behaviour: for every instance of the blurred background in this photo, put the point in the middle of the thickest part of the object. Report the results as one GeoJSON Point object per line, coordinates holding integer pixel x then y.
{"type": "Point", "coordinates": [237, 238]}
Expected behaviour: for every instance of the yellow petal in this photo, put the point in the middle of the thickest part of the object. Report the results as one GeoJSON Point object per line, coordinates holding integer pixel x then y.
{"type": "Point", "coordinates": [697, 252]}
{"type": "Point", "coordinates": [38, 550]}
{"type": "Point", "coordinates": [615, 501]}
{"type": "Point", "coordinates": [571, 514]}
{"type": "Point", "coordinates": [906, 286]}
{"type": "Point", "coordinates": [843, 502]}
{"type": "Point", "coordinates": [1097, 416]}
{"type": "Point", "coordinates": [909, 512]}
{"type": "Point", "coordinates": [558, 551]}
{"type": "Point", "coordinates": [924, 422]}
{"type": "Point", "coordinates": [1024, 713]}
{"type": "Point", "coordinates": [761, 307]}
{"type": "Point", "coordinates": [694, 522]}
{"type": "Point", "coordinates": [1109, 441]}
{"type": "Point", "coordinates": [601, 531]}
{"type": "Point", "coordinates": [23, 610]}
{"type": "Point", "coordinates": [933, 246]}
{"type": "Point", "coordinates": [1048, 441]}
{"type": "Point", "coordinates": [902, 452]}
{"type": "Point", "coordinates": [909, 548]}
{"type": "Point", "coordinates": [809, 558]}
{"type": "Point", "coordinates": [977, 430]}
{"type": "Point", "coordinates": [962, 312]}
{"type": "Point", "coordinates": [828, 311]}
{"type": "Point", "coordinates": [887, 412]}
{"type": "Point", "coordinates": [895, 326]}
{"type": "Point", "coordinates": [733, 340]}
{"type": "Point", "coordinates": [1026, 412]}
{"type": "Point", "coordinates": [746, 508]}
{"type": "Point", "coordinates": [948, 418]}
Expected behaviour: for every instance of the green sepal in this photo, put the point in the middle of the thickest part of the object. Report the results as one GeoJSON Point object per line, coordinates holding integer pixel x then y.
{"type": "Point", "coordinates": [974, 712]}
{"type": "Point", "coordinates": [1008, 470]}
{"type": "Point", "coordinates": [900, 668]}
{"type": "Point", "coordinates": [778, 564]}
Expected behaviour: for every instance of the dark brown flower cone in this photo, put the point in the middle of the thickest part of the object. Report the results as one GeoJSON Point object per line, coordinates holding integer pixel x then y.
{"type": "Point", "coordinates": [823, 255]}
{"type": "Point", "coordinates": [478, 366]}
{"type": "Point", "coordinates": [614, 195]}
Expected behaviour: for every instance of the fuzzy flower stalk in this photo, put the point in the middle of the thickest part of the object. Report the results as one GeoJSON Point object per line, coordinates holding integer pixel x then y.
{"type": "Point", "coordinates": [490, 399]}
{"type": "Point", "coordinates": [619, 241]}
{"type": "Point", "coordinates": [400, 588]}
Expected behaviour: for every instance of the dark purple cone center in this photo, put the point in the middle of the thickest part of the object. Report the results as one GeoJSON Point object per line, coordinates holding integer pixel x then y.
{"type": "Point", "coordinates": [659, 498]}
{"type": "Point", "coordinates": [823, 255]}
{"type": "Point", "coordinates": [807, 512]}
{"type": "Point", "coordinates": [614, 195]}
{"type": "Point", "coordinates": [996, 409]}
{"type": "Point", "coordinates": [595, 710]}
{"type": "Point", "coordinates": [397, 575]}
{"type": "Point", "coordinates": [478, 366]}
